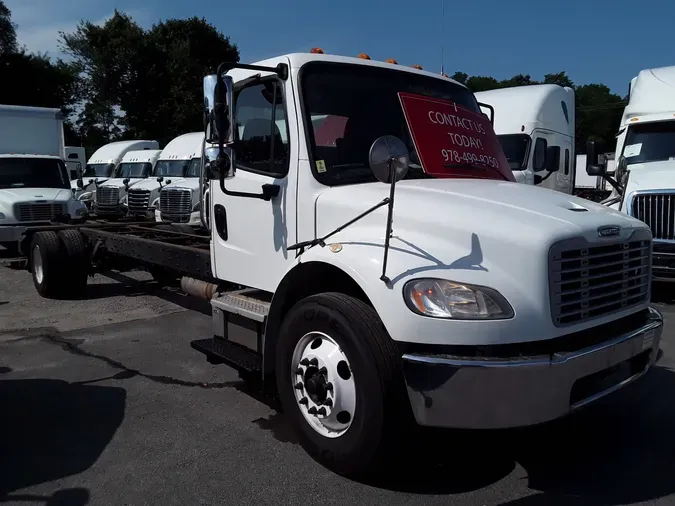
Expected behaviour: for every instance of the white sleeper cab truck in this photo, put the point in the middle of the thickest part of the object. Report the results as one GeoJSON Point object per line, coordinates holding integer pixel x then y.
{"type": "Point", "coordinates": [644, 181]}
{"type": "Point", "coordinates": [535, 126]}
{"type": "Point", "coordinates": [112, 196]}
{"type": "Point", "coordinates": [179, 159]}
{"type": "Point", "coordinates": [179, 200]}
{"type": "Point", "coordinates": [34, 183]}
{"type": "Point", "coordinates": [367, 291]}
{"type": "Point", "coordinates": [75, 158]}
{"type": "Point", "coordinates": [102, 165]}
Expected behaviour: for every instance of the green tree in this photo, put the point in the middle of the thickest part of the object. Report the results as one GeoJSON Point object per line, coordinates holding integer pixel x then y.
{"type": "Point", "coordinates": [8, 42]}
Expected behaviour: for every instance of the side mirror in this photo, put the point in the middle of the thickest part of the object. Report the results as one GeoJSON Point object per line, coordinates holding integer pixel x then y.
{"type": "Point", "coordinates": [78, 169]}
{"type": "Point", "coordinates": [219, 125]}
{"type": "Point", "coordinates": [594, 167]}
{"type": "Point", "coordinates": [80, 183]}
{"type": "Point", "coordinates": [125, 182]}
{"type": "Point", "coordinates": [553, 158]}
{"type": "Point", "coordinates": [491, 115]}
{"type": "Point", "coordinates": [539, 156]}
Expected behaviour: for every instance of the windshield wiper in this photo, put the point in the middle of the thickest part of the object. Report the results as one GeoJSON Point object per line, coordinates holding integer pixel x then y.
{"type": "Point", "coordinates": [473, 165]}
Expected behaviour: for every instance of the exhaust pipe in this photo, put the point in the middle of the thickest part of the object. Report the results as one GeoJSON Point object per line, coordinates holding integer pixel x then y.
{"type": "Point", "coordinates": [198, 288]}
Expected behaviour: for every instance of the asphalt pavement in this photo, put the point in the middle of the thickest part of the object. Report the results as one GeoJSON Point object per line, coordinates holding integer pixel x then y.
{"type": "Point", "coordinates": [104, 402]}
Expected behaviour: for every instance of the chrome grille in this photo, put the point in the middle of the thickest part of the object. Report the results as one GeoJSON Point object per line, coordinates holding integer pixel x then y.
{"type": "Point", "coordinates": [138, 201]}
{"type": "Point", "coordinates": [107, 196]}
{"type": "Point", "coordinates": [39, 211]}
{"type": "Point", "coordinates": [658, 211]}
{"type": "Point", "coordinates": [589, 281]}
{"type": "Point", "coordinates": [175, 202]}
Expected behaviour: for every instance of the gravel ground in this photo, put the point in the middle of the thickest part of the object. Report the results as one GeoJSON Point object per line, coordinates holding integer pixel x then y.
{"type": "Point", "coordinates": [104, 402]}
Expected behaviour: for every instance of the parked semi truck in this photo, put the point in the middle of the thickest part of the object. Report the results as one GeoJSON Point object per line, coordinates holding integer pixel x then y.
{"type": "Point", "coordinates": [368, 292]}
{"type": "Point", "coordinates": [179, 160]}
{"type": "Point", "coordinates": [643, 185]}
{"type": "Point", "coordinates": [528, 120]}
{"type": "Point", "coordinates": [111, 198]}
{"type": "Point", "coordinates": [34, 182]}
{"type": "Point", "coordinates": [102, 165]}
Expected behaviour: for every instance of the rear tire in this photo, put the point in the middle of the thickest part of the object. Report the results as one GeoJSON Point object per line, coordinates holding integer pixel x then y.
{"type": "Point", "coordinates": [357, 444]}
{"type": "Point", "coordinates": [76, 262]}
{"type": "Point", "coordinates": [47, 265]}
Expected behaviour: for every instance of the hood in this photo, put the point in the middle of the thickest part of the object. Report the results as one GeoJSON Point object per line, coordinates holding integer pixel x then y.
{"type": "Point", "coordinates": [11, 195]}
{"type": "Point", "coordinates": [119, 182]}
{"type": "Point", "coordinates": [191, 183]}
{"type": "Point", "coordinates": [85, 180]}
{"type": "Point", "coordinates": [448, 211]}
{"type": "Point", "coordinates": [152, 184]}
{"type": "Point", "coordinates": [651, 176]}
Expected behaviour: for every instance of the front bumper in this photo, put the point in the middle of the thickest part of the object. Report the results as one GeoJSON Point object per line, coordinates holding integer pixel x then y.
{"type": "Point", "coordinates": [192, 219]}
{"type": "Point", "coordinates": [11, 233]}
{"type": "Point", "coordinates": [109, 210]}
{"type": "Point", "coordinates": [492, 393]}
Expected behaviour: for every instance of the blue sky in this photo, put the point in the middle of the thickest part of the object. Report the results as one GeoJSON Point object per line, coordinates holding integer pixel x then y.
{"type": "Point", "coordinates": [593, 40]}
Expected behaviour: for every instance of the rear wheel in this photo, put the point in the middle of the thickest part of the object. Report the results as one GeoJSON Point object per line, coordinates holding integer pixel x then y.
{"type": "Point", "coordinates": [76, 262]}
{"type": "Point", "coordinates": [340, 382]}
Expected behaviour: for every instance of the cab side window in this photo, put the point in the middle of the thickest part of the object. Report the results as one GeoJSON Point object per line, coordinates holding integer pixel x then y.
{"type": "Point", "coordinates": [261, 135]}
{"type": "Point", "coordinates": [539, 156]}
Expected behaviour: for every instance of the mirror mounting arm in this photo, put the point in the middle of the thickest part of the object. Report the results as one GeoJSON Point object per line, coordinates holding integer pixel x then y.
{"type": "Point", "coordinates": [615, 184]}
{"type": "Point", "coordinates": [280, 70]}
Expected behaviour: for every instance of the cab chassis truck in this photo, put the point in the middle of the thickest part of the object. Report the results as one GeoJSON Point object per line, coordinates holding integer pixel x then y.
{"type": "Point", "coordinates": [471, 304]}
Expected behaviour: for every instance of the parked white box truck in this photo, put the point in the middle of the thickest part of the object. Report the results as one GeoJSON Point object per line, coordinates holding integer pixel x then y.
{"type": "Point", "coordinates": [34, 182]}
{"type": "Point", "coordinates": [530, 119]}
{"type": "Point", "coordinates": [102, 165]}
{"type": "Point", "coordinates": [644, 182]}
{"type": "Point", "coordinates": [450, 295]}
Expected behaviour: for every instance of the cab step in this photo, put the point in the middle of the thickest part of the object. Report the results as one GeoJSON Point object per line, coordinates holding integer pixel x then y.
{"type": "Point", "coordinates": [239, 357]}
{"type": "Point", "coordinates": [249, 303]}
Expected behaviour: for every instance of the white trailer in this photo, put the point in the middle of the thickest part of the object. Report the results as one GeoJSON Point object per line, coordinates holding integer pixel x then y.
{"type": "Point", "coordinates": [644, 182]}
{"type": "Point", "coordinates": [112, 196]}
{"type": "Point", "coordinates": [102, 165]}
{"type": "Point", "coordinates": [530, 119]}
{"type": "Point", "coordinates": [450, 295]}
{"type": "Point", "coordinates": [34, 183]}
{"type": "Point", "coordinates": [178, 163]}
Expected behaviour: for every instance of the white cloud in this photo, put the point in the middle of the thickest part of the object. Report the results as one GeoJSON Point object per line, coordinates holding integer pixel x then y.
{"type": "Point", "coordinates": [40, 21]}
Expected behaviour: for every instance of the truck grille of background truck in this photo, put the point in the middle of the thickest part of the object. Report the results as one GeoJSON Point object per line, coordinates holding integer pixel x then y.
{"type": "Point", "coordinates": [657, 211]}
{"type": "Point", "coordinates": [587, 281]}
{"type": "Point", "coordinates": [39, 212]}
{"type": "Point", "coordinates": [138, 201]}
{"type": "Point", "coordinates": [175, 205]}
{"type": "Point", "coordinates": [107, 197]}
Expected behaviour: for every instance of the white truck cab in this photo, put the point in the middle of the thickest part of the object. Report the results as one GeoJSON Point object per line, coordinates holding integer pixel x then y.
{"type": "Point", "coordinates": [76, 159]}
{"type": "Point", "coordinates": [644, 182]}
{"type": "Point", "coordinates": [34, 182]}
{"type": "Point", "coordinates": [530, 119]}
{"type": "Point", "coordinates": [136, 166]}
{"type": "Point", "coordinates": [179, 162]}
{"type": "Point", "coordinates": [102, 165]}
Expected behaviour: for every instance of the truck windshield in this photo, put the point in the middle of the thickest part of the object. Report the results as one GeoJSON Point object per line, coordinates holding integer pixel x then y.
{"type": "Point", "coordinates": [650, 142]}
{"type": "Point", "coordinates": [98, 170]}
{"type": "Point", "coordinates": [195, 168]}
{"type": "Point", "coordinates": [33, 173]}
{"type": "Point", "coordinates": [515, 148]}
{"type": "Point", "coordinates": [134, 169]}
{"type": "Point", "coordinates": [348, 106]}
{"type": "Point", "coordinates": [172, 168]}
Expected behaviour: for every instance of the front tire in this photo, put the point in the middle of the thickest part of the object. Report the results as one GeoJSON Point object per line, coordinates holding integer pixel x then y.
{"type": "Point", "coordinates": [46, 265]}
{"type": "Point", "coordinates": [337, 340]}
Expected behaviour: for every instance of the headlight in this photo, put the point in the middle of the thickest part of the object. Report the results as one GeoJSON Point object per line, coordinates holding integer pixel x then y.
{"type": "Point", "coordinates": [2, 216]}
{"type": "Point", "coordinates": [439, 298]}
{"type": "Point", "coordinates": [86, 196]}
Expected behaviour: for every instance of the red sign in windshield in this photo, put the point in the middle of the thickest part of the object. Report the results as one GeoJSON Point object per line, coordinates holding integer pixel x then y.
{"type": "Point", "coordinates": [452, 141]}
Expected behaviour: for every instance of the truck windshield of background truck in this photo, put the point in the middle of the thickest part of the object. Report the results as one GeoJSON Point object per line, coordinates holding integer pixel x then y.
{"type": "Point", "coordinates": [98, 170]}
{"type": "Point", "coordinates": [195, 168]}
{"type": "Point", "coordinates": [515, 148]}
{"type": "Point", "coordinates": [33, 173]}
{"type": "Point", "coordinates": [171, 168]}
{"type": "Point", "coordinates": [134, 170]}
{"type": "Point", "coordinates": [650, 142]}
{"type": "Point", "coordinates": [348, 106]}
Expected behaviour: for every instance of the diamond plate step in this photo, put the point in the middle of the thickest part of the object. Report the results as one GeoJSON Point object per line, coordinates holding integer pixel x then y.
{"type": "Point", "coordinates": [244, 303]}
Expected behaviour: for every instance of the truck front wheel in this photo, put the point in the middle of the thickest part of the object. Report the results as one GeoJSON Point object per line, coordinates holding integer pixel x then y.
{"type": "Point", "coordinates": [340, 382]}
{"type": "Point", "coordinates": [45, 257]}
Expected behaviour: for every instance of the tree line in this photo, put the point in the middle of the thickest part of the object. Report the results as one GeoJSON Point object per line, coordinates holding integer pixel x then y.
{"type": "Point", "coordinates": [121, 81]}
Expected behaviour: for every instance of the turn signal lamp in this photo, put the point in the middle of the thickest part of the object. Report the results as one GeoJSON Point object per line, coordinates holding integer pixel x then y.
{"type": "Point", "coordinates": [634, 119]}
{"type": "Point", "coordinates": [316, 50]}
{"type": "Point", "coordinates": [418, 67]}
{"type": "Point", "coordinates": [444, 74]}
{"type": "Point", "coordinates": [364, 56]}
{"type": "Point", "coordinates": [391, 60]}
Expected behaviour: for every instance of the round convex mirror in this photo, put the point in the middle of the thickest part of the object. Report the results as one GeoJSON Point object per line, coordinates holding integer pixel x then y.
{"type": "Point", "coordinates": [389, 153]}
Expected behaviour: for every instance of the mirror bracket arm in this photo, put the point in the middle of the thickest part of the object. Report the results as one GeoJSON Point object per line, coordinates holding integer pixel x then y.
{"type": "Point", "coordinates": [615, 184]}
{"type": "Point", "coordinates": [281, 70]}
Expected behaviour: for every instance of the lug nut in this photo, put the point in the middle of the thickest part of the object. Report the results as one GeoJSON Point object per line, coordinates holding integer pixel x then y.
{"type": "Point", "coordinates": [328, 402]}
{"type": "Point", "coordinates": [299, 371]}
{"type": "Point", "coordinates": [321, 411]}
{"type": "Point", "coordinates": [303, 401]}
{"type": "Point", "coordinates": [314, 362]}
{"type": "Point", "coordinates": [304, 362]}
{"type": "Point", "coordinates": [312, 410]}
{"type": "Point", "coordinates": [298, 385]}
{"type": "Point", "coordinates": [323, 370]}
{"type": "Point", "coordinates": [329, 387]}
